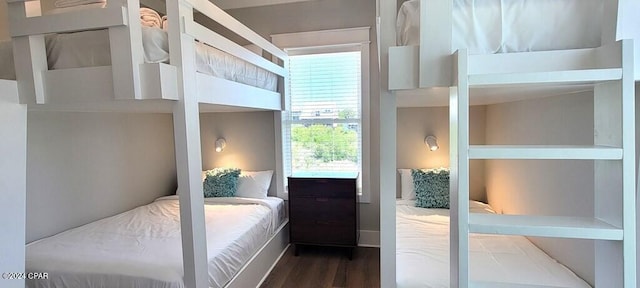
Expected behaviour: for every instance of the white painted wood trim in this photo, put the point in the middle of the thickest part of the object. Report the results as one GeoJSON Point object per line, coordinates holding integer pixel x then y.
{"type": "Point", "coordinates": [629, 165]}
{"type": "Point", "coordinates": [127, 53]}
{"type": "Point", "coordinates": [554, 77]}
{"type": "Point", "coordinates": [13, 182]}
{"type": "Point", "coordinates": [369, 238]}
{"type": "Point", "coordinates": [213, 90]}
{"type": "Point", "coordinates": [321, 38]}
{"type": "Point", "coordinates": [256, 270]}
{"type": "Point", "coordinates": [544, 226]}
{"type": "Point", "coordinates": [544, 152]}
{"type": "Point", "coordinates": [88, 19]}
{"type": "Point", "coordinates": [436, 22]}
{"type": "Point", "coordinates": [186, 122]}
{"type": "Point", "coordinates": [216, 40]}
{"type": "Point", "coordinates": [459, 171]}
{"type": "Point", "coordinates": [387, 11]}
{"type": "Point", "coordinates": [159, 81]}
{"type": "Point", "coordinates": [486, 284]}
{"type": "Point", "coordinates": [212, 11]}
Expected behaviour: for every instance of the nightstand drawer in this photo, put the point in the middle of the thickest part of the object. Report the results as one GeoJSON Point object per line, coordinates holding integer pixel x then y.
{"type": "Point", "coordinates": [334, 188]}
{"type": "Point", "coordinates": [324, 209]}
{"type": "Point", "coordinates": [323, 233]}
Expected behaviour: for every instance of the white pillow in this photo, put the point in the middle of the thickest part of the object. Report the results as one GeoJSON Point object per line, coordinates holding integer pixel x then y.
{"type": "Point", "coordinates": [407, 190]}
{"type": "Point", "coordinates": [254, 184]}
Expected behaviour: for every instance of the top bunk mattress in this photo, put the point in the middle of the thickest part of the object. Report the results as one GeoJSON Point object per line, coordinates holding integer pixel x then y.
{"type": "Point", "coordinates": [502, 26]}
{"type": "Point", "coordinates": [142, 247]}
{"type": "Point", "coordinates": [92, 48]}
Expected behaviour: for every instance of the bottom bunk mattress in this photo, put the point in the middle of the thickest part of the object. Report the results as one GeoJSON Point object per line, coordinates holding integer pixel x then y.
{"type": "Point", "coordinates": [422, 253]}
{"type": "Point", "coordinates": [92, 48]}
{"type": "Point", "coordinates": [142, 247]}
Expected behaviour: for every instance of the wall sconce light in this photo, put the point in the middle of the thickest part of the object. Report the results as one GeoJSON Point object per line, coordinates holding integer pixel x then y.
{"type": "Point", "coordinates": [431, 142]}
{"type": "Point", "coordinates": [220, 144]}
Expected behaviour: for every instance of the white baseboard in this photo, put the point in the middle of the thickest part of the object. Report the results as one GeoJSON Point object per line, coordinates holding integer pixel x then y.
{"type": "Point", "coordinates": [369, 238]}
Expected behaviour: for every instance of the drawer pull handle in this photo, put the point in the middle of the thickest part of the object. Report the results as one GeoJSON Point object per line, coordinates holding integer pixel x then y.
{"type": "Point", "coordinates": [322, 181]}
{"type": "Point", "coordinates": [323, 222]}
{"type": "Point", "coordinates": [322, 199]}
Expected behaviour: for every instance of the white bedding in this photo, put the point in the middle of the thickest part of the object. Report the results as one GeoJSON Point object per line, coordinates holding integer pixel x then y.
{"type": "Point", "coordinates": [142, 247]}
{"type": "Point", "coordinates": [500, 26]}
{"type": "Point", "coordinates": [422, 253]}
{"type": "Point", "coordinates": [91, 48]}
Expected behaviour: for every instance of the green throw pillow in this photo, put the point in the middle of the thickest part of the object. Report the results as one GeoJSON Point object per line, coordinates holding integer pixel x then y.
{"type": "Point", "coordinates": [432, 187]}
{"type": "Point", "coordinates": [221, 182]}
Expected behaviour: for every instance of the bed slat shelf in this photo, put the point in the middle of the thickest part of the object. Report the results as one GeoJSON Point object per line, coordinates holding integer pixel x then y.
{"type": "Point", "coordinates": [566, 152]}
{"type": "Point", "coordinates": [555, 77]}
{"type": "Point", "coordinates": [543, 226]}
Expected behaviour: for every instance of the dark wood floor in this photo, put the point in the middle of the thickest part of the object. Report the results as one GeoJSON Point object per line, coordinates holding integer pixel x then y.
{"type": "Point", "coordinates": [319, 267]}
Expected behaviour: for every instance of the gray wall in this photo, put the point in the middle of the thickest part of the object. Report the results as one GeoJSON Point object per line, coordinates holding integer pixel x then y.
{"type": "Point", "coordinates": [414, 124]}
{"type": "Point", "coordinates": [4, 21]}
{"type": "Point", "coordinates": [250, 141]}
{"type": "Point", "coordinates": [85, 166]}
{"type": "Point", "coordinates": [323, 15]}
{"type": "Point", "coordinates": [559, 188]}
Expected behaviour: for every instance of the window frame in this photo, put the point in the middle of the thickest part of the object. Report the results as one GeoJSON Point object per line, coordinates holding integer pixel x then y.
{"type": "Point", "coordinates": [328, 41]}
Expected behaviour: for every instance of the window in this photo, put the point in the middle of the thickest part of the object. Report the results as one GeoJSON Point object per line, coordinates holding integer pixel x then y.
{"type": "Point", "coordinates": [325, 91]}
{"type": "Point", "coordinates": [326, 126]}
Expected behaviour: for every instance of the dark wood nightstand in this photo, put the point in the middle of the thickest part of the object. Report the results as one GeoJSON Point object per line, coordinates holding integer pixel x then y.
{"type": "Point", "coordinates": [323, 210]}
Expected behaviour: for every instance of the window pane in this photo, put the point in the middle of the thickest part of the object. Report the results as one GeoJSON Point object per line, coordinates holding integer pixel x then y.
{"type": "Point", "coordinates": [324, 132]}
{"type": "Point", "coordinates": [324, 86]}
{"type": "Point", "coordinates": [325, 147]}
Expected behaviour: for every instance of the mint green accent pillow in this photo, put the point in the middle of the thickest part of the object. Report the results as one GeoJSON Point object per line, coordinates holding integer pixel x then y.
{"type": "Point", "coordinates": [221, 182]}
{"type": "Point", "coordinates": [432, 187]}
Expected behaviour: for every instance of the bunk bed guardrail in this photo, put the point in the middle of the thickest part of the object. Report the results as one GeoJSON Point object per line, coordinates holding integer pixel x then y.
{"type": "Point", "coordinates": [430, 63]}
{"type": "Point", "coordinates": [132, 78]}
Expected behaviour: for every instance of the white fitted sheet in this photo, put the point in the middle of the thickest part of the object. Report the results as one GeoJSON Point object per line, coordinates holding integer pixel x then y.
{"type": "Point", "coordinates": [142, 247]}
{"type": "Point", "coordinates": [91, 48]}
{"type": "Point", "coordinates": [422, 253]}
{"type": "Point", "coordinates": [500, 26]}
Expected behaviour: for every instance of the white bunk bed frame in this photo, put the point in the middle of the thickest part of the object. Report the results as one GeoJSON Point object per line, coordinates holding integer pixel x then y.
{"type": "Point", "coordinates": [433, 75]}
{"type": "Point", "coordinates": [130, 85]}
{"type": "Point", "coordinates": [13, 182]}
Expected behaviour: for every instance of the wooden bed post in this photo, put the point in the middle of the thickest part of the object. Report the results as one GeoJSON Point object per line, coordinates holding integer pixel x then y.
{"type": "Point", "coordinates": [614, 181]}
{"type": "Point", "coordinates": [186, 124]}
{"type": "Point", "coordinates": [29, 54]}
{"type": "Point", "coordinates": [127, 53]}
{"type": "Point", "coordinates": [459, 171]}
{"type": "Point", "coordinates": [388, 125]}
{"type": "Point", "coordinates": [435, 69]}
{"type": "Point", "coordinates": [13, 180]}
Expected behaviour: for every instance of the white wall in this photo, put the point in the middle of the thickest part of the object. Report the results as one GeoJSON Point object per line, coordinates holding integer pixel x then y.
{"type": "Point", "coordinates": [414, 124]}
{"type": "Point", "coordinates": [323, 15]}
{"type": "Point", "coordinates": [86, 166]}
{"type": "Point", "coordinates": [563, 188]}
{"type": "Point", "coordinates": [250, 141]}
{"type": "Point", "coordinates": [13, 168]}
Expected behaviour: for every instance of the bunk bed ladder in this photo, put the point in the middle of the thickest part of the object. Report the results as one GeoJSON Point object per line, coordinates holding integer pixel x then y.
{"type": "Point", "coordinates": [613, 227]}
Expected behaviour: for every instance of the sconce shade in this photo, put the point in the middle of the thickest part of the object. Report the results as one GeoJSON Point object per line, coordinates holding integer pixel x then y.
{"type": "Point", "coordinates": [431, 142]}
{"type": "Point", "coordinates": [220, 144]}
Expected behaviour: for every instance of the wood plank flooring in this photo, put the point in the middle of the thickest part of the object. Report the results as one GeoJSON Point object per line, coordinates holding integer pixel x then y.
{"type": "Point", "coordinates": [320, 267]}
